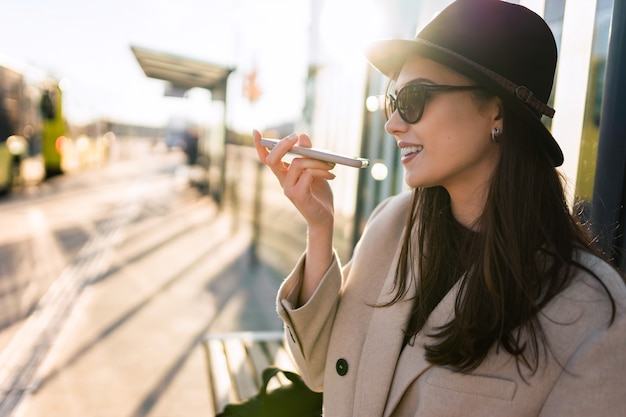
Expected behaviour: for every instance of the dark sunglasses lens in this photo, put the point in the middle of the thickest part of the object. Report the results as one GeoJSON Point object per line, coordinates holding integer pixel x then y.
{"type": "Point", "coordinates": [410, 103]}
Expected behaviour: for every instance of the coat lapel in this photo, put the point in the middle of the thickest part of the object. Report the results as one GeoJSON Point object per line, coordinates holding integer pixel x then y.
{"type": "Point", "coordinates": [412, 363]}
{"type": "Point", "coordinates": [381, 350]}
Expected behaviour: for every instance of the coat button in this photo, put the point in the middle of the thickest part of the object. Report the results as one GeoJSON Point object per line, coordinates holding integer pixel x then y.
{"type": "Point", "coordinates": [342, 366]}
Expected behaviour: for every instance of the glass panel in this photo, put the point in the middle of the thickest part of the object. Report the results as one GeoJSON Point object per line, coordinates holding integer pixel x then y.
{"type": "Point", "coordinates": [553, 15]}
{"type": "Point", "coordinates": [591, 122]}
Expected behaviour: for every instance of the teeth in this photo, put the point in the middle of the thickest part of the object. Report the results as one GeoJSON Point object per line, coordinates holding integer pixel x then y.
{"type": "Point", "coordinates": [408, 150]}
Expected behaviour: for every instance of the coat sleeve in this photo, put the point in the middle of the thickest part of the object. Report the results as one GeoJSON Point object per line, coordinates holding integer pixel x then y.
{"type": "Point", "coordinates": [592, 382]}
{"type": "Point", "coordinates": [308, 327]}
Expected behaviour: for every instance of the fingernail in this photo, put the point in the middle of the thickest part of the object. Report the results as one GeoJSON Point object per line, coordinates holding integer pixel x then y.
{"type": "Point", "coordinates": [292, 136]}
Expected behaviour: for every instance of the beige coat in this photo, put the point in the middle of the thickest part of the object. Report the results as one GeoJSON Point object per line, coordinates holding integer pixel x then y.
{"type": "Point", "coordinates": [352, 351]}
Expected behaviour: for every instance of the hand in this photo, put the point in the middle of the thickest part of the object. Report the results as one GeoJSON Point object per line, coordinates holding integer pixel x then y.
{"type": "Point", "coordinates": [304, 180]}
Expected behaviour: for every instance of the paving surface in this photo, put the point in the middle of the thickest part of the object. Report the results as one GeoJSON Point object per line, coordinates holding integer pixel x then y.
{"type": "Point", "coordinates": [130, 346]}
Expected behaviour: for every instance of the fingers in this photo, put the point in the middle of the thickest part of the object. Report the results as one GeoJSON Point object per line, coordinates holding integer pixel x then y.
{"type": "Point", "coordinates": [275, 163]}
{"type": "Point", "coordinates": [277, 153]}
{"type": "Point", "coordinates": [303, 171]}
{"type": "Point", "coordinates": [304, 180]}
{"type": "Point", "coordinates": [289, 174]}
{"type": "Point", "coordinates": [261, 150]}
{"type": "Point", "coordinates": [304, 140]}
{"type": "Point", "coordinates": [280, 150]}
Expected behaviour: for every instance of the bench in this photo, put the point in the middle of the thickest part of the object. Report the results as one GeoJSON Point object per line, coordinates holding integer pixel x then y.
{"type": "Point", "coordinates": [236, 360]}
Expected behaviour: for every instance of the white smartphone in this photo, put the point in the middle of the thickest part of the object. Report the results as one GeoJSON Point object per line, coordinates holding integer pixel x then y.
{"type": "Point", "coordinates": [320, 154]}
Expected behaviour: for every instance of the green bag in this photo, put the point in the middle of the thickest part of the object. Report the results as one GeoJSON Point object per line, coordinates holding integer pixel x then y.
{"type": "Point", "coordinates": [294, 400]}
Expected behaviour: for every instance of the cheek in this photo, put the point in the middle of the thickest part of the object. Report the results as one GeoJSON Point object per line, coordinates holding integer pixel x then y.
{"type": "Point", "coordinates": [467, 134]}
{"type": "Point", "coordinates": [473, 145]}
{"type": "Point", "coordinates": [462, 146]}
{"type": "Point", "coordinates": [455, 130]}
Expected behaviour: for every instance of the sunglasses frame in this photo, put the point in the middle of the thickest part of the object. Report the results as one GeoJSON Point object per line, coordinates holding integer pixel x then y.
{"type": "Point", "coordinates": [421, 91]}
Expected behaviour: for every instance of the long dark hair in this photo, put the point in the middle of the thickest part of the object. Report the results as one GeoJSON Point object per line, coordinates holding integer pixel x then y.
{"type": "Point", "coordinates": [521, 256]}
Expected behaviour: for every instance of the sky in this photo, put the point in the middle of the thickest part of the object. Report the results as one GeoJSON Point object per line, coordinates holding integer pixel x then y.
{"type": "Point", "coordinates": [87, 45]}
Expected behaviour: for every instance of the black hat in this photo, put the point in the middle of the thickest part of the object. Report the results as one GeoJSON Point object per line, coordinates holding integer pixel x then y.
{"type": "Point", "coordinates": [504, 47]}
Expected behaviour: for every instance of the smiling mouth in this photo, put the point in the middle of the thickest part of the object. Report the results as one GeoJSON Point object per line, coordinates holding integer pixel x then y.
{"type": "Point", "coordinates": [408, 150]}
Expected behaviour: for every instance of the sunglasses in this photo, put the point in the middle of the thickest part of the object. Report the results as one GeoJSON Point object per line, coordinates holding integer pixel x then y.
{"type": "Point", "coordinates": [411, 99]}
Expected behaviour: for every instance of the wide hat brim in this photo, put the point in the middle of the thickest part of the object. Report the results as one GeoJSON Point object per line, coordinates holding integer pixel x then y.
{"type": "Point", "coordinates": [388, 56]}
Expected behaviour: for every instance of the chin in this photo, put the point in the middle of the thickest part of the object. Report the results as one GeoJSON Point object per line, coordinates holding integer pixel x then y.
{"type": "Point", "coordinates": [413, 181]}
{"type": "Point", "coordinates": [418, 181]}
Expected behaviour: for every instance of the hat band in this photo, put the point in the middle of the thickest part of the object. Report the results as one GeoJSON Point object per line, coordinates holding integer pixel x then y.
{"type": "Point", "coordinates": [521, 92]}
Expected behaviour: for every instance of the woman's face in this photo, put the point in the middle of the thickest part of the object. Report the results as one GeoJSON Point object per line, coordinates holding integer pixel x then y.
{"type": "Point", "coordinates": [451, 144]}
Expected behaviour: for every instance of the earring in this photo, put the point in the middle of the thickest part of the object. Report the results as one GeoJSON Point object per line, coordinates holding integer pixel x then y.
{"type": "Point", "coordinates": [494, 135]}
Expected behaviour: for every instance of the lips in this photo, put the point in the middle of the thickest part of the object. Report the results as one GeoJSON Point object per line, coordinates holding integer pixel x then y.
{"type": "Point", "coordinates": [409, 150]}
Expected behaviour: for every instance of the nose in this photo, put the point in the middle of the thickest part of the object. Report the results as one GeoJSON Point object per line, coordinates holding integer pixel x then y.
{"type": "Point", "coordinates": [395, 124]}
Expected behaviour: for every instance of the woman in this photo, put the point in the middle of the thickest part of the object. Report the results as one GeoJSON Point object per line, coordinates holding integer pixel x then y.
{"type": "Point", "coordinates": [477, 294]}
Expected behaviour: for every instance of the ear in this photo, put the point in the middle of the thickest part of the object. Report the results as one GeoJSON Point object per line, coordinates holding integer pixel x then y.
{"type": "Point", "coordinates": [496, 113]}
{"type": "Point", "coordinates": [498, 109]}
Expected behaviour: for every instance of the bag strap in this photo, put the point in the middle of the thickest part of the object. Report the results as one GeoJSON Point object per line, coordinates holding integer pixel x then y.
{"type": "Point", "coordinates": [271, 372]}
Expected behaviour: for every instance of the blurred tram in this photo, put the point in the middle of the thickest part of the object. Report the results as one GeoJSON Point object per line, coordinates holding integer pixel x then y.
{"type": "Point", "coordinates": [31, 125]}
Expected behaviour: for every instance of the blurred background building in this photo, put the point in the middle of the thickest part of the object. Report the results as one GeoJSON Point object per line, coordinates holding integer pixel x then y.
{"type": "Point", "coordinates": [224, 68]}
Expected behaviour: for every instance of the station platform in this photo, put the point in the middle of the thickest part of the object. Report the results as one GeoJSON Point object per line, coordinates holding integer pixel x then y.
{"type": "Point", "coordinates": [131, 346]}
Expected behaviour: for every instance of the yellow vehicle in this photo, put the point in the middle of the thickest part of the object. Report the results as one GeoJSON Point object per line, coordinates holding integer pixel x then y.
{"type": "Point", "coordinates": [12, 151]}
{"type": "Point", "coordinates": [6, 168]}
{"type": "Point", "coordinates": [31, 125]}
{"type": "Point", "coordinates": [53, 129]}
{"type": "Point", "coordinates": [11, 91]}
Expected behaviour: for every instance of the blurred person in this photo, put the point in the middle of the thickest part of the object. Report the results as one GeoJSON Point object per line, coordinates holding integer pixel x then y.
{"type": "Point", "coordinates": [190, 140]}
{"type": "Point", "coordinates": [477, 293]}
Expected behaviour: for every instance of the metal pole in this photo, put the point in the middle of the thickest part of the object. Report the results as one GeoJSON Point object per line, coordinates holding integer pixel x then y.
{"type": "Point", "coordinates": [257, 214]}
{"type": "Point", "coordinates": [607, 213]}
